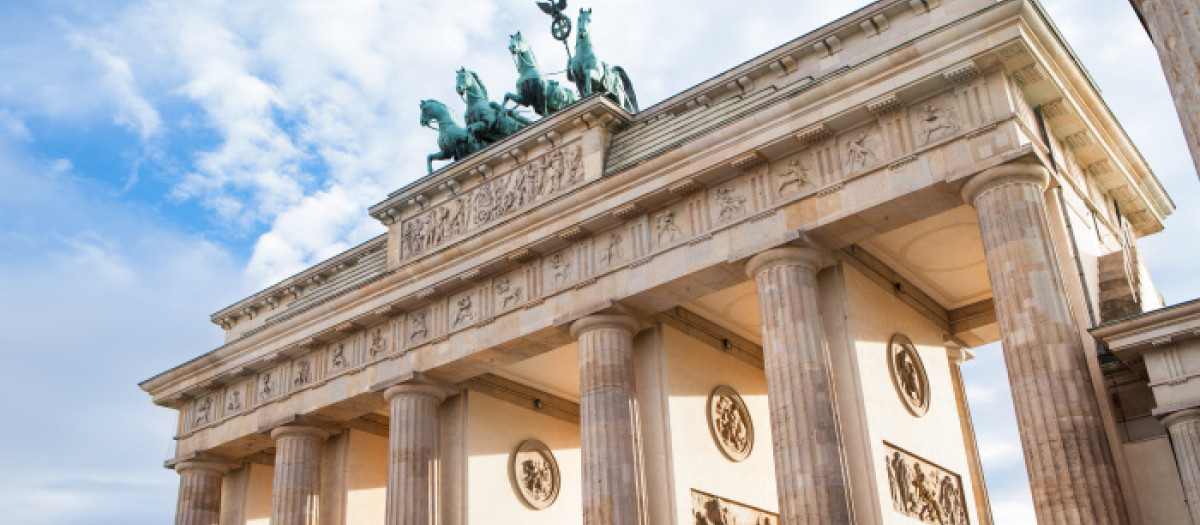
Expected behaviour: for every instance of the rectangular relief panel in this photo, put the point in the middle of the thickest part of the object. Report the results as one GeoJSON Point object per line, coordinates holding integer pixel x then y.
{"type": "Point", "coordinates": [715, 510]}
{"type": "Point", "coordinates": [924, 491]}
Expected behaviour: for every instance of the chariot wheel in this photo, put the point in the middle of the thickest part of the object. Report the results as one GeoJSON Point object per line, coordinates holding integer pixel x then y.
{"type": "Point", "coordinates": [560, 27]}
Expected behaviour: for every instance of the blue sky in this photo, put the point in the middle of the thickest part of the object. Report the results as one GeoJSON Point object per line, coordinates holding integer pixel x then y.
{"type": "Point", "coordinates": [160, 159]}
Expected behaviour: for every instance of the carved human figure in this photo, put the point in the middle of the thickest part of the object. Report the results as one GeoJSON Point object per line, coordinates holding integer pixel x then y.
{"type": "Point", "coordinates": [509, 294]}
{"type": "Point", "coordinates": [417, 328]}
{"type": "Point", "coordinates": [860, 151]}
{"type": "Point", "coordinates": [303, 372]}
{"type": "Point", "coordinates": [235, 401]}
{"type": "Point", "coordinates": [910, 377]}
{"type": "Point", "coordinates": [573, 166]}
{"type": "Point", "coordinates": [561, 268]}
{"type": "Point", "coordinates": [268, 387]}
{"type": "Point", "coordinates": [795, 177]}
{"type": "Point", "coordinates": [731, 425]}
{"type": "Point", "coordinates": [615, 252]}
{"type": "Point", "coordinates": [338, 355]}
{"type": "Point", "coordinates": [732, 205]}
{"type": "Point", "coordinates": [203, 411]}
{"type": "Point", "coordinates": [901, 493]}
{"type": "Point", "coordinates": [466, 311]}
{"type": "Point", "coordinates": [538, 479]}
{"type": "Point", "coordinates": [938, 122]}
{"type": "Point", "coordinates": [668, 231]}
{"type": "Point", "coordinates": [377, 342]}
{"type": "Point", "coordinates": [927, 504]}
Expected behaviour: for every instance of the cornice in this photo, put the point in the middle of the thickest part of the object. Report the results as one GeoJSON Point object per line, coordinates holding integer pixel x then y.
{"type": "Point", "coordinates": [1134, 335]}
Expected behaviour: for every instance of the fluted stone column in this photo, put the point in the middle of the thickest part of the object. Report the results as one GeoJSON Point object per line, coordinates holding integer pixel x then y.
{"type": "Point", "coordinates": [1184, 427]}
{"type": "Point", "coordinates": [809, 456]}
{"type": "Point", "coordinates": [296, 494]}
{"type": "Point", "coordinates": [413, 452]}
{"type": "Point", "coordinates": [608, 421]}
{"type": "Point", "coordinates": [1071, 470]}
{"type": "Point", "coordinates": [1175, 29]}
{"type": "Point", "coordinates": [199, 492]}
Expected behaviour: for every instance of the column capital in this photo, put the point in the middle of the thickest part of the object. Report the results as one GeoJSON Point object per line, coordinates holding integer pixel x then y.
{"type": "Point", "coordinates": [1180, 416]}
{"type": "Point", "coordinates": [1011, 173]}
{"type": "Point", "coordinates": [204, 466]}
{"type": "Point", "coordinates": [299, 430]}
{"type": "Point", "coordinates": [786, 256]}
{"type": "Point", "coordinates": [614, 321]}
{"type": "Point", "coordinates": [420, 386]}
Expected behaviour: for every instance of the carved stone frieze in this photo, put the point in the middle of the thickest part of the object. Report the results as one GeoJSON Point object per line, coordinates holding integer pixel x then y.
{"type": "Point", "coordinates": [377, 342]}
{"type": "Point", "coordinates": [908, 374]}
{"type": "Point", "coordinates": [534, 474]}
{"type": "Point", "coordinates": [924, 491]}
{"type": "Point", "coordinates": [533, 181]}
{"type": "Point", "coordinates": [204, 411]}
{"type": "Point", "coordinates": [715, 510]}
{"type": "Point", "coordinates": [666, 228]}
{"type": "Point", "coordinates": [935, 120]}
{"type": "Point", "coordinates": [729, 203]}
{"type": "Point", "coordinates": [861, 148]}
{"type": "Point", "coordinates": [730, 423]}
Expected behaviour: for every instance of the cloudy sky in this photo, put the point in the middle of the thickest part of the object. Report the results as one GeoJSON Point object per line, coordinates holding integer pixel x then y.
{"type": "Point", "coordinates": [161, 158]}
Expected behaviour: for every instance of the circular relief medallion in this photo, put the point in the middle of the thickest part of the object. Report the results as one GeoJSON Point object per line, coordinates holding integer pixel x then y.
{"type": "Point", "coordinates": [730, 424]}
{"type": "Point", "coordinates": [534, 474]}
{"type": "Point", "coordinates": [908, 375]}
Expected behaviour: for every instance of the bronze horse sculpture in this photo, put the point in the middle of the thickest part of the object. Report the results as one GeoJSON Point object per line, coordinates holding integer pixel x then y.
{"type": "Point", "coordinates": [454, 141]}
{"type": "Point", "coordinates": [487, 121]}
{"type": "Point", "coordinates": [591, 75]}
{"type": "Point", "coordinates": [544, 96]}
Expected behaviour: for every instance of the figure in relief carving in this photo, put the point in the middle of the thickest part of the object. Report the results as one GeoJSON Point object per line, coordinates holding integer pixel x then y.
{"type": "Point", "coordinates": [908, 375]}
{"type": "Point", "coordinates": [731, 424]}
{"type": "Point", "coordinates": [377, 342]}
{"type": "Point", "coordinates": [537, 478]}
{"type": "Point", "coordinates": [267, 387]}
{"type": "Point", "coordinates": [910, 378]}
{"type": "Point", "coordinates": [925, 492]}
{"type": "Point", "coordinates": [418, 329]}
{"type": "Point", "coordinates": [235, 401]}
{"type": "Point", "coordinates": [668, 231]}
{"type": "Point", "coordinates": [203, 410]}
{"type": "Point", "coordinates": [712, 510]}
{"type": "Point", "coordinates": [898, 477]}
{"type": "Point", "coordinates": [796, 176]}
{"type": "Point", "coordinates": [860, 151]}
{"type": "Point", "coordinates": [732, 204]}
{"type": "Point", "coordinates": [616, 250]}
{"type": "Point", "coordinates": [303, 372]}
{"type": "Point", "coordinates": [339, 355]}
{"type": "Point", "coordinates": [466, 313]}
{"type": "Point", "coordinates": [561, 268]}
{"type": "Point", "coordinates": [938, 122]}
{"type": "Point", "coordinates": [509, 294]}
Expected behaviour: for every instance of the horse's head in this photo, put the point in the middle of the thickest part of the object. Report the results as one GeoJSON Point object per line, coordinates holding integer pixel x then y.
{"type": "Point", "coordinates": [585, 22]}
{"type": "Point", "coordinates": [517, 44]}
{"type": "Point", "coordinates": [432, 110]}
{"type": "Point", "coordinates": [468, 80]}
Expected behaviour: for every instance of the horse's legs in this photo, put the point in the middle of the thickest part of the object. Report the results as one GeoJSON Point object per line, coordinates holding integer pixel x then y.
{"type": "Point", "coordinates": [515, 97]}
{"type": "Point", "coordinates": [441, 155]}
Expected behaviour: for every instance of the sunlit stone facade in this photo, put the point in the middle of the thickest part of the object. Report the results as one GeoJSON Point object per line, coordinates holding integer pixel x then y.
{"type": "Point", "coordinates": [747, 304]}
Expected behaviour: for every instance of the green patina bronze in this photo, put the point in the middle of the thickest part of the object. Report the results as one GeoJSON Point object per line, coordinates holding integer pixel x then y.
{"type": "Point", "coordinates": [487, 121]}
{"type": "Point", "coordinates": [454, 141]}
{"type": "Point", "coordinates": [544, 96]}
{"type": "Point", "coordinates": [591, 75]}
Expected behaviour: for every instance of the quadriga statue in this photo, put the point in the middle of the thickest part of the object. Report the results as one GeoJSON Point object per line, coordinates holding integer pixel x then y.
{"type": "Point", "coordinates": [591, 75]}
{"type": "Point", "coordinates": [487, 121]}
{"type": "Point", "coordinates": [454, 141]}
{"type": "Point", "coordinates": [533, 90]}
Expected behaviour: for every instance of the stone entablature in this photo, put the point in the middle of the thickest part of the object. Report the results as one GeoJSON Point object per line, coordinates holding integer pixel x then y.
{"type": "Point", "coordinates": [509, 286]}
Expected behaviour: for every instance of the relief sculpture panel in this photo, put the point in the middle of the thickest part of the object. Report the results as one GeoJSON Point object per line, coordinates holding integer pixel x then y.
{"type": "Point", "coordinates": [715, 510]}
{"type": "Point", "coordinates": [534, 474]}
{"type": "Point", "coordinates": [534, 181]}
{"type": "Point", "coordinates": [924, 491]}
{"type": "Point", "coordinates": [730, 424]}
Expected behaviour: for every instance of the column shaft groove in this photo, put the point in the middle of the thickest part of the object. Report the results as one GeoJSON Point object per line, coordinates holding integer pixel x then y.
{"type": "Point", "coordinates": [296, 494]}
{"type": "Point", "coordinates": [809, 455]}
{"type": "Point", "coordinates": [1070, 465]}
{"type": "Point", "coordinates": [413, 453]}
{"type": "Point", "coordinates": [199, 493]}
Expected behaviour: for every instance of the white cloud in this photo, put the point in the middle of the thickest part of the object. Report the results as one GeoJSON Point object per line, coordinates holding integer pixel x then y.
{"type": "Point", "coordinates": [133, 111]}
